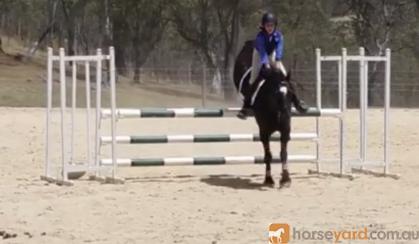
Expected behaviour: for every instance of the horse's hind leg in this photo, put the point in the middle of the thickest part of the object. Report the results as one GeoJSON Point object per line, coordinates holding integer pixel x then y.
{"type": "Point", "coordinates": [285, 137]}
{"type": "Point", "coordinates": [264, 137]}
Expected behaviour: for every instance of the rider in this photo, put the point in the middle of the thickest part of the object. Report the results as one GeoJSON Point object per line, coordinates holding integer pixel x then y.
{"type": "Point", "coordinates": [267, 56]}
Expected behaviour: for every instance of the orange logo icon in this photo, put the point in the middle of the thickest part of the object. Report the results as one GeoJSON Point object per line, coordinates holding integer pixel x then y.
{"type": "Point", "coordinates": [279, 233]}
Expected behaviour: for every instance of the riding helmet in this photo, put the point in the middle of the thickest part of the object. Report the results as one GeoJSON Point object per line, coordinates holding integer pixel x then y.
{"type": "Point", "coordinates": [269, 18]}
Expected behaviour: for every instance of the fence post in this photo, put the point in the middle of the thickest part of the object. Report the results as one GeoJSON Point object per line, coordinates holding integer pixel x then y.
{"type": "Point", "coordinates": [204, 85]}
{"type": "Point", "coordinates": [190, 74]}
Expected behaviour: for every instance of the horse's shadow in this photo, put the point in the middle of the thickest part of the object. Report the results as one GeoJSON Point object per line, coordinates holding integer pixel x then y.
{"type": "Point", "coordinates": [234, 182]}
{"type": "Point", "coordinates": [254, 182]}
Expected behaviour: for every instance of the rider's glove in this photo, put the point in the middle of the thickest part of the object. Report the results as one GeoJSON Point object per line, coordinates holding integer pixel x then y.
{"type": "Point", "coordinates": [266, 71]}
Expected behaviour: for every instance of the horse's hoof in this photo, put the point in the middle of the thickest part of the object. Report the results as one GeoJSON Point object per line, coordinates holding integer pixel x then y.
{"type": "Point", "coordinates": [284, 183]}
{"type": "Point", "coordinates": [269, 181]}
{"type": "Point", "coordinates": [285, 180]}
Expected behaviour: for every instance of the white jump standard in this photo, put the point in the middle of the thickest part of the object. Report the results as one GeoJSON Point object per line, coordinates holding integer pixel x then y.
{"type": "Point", "coordinates": [364, 61]}
{"type": "Point", "coordinates": [68, 167]}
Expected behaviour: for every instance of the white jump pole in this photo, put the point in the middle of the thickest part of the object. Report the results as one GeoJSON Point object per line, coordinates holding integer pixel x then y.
{"type": "Point", "coordinates": [365, 110]}
{"type": "Point", "coordinates": [318, 104]}
{"type": "Point", "coordinates": [88, 138]}
{"type": "Point", "coordinates": [342, 107]}
{"type": "Point", "coordinates": [73, 108]}
{"type": "Point", "coordinates": [344, 78]}
{"type": "Point", "coordinates": [387, 111]}
{"type": "Point", "coordinates": [343, 103]}
{"type": "Point", "coordinates": [113, 108]}
{"type": "Point", "coordinates": [98, 106]}
{"type": "Point", "coordinates": [340, 85]}
{"type": "Point", "coordinates": [63, 111]}
{"type": "Point", "coordinates": [49, 107]}
{"type": "Point", "coordinates": [361, 102]}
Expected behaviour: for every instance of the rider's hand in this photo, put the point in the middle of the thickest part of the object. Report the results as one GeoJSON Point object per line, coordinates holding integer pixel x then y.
{"type": "Point", "coordinates": [266, 70]}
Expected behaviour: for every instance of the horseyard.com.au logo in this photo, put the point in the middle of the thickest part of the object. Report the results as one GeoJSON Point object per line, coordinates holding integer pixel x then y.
{"type": "Point", "coordinates": [279, 233]}
{"type": "Point", "coordinates": [282, 234]}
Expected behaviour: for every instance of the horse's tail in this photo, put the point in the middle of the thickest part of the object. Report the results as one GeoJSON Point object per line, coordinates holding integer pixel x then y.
{"type": "Point", "coordinates": [238, 73]}
{"type": "Point", "coordinates": [241, 66]}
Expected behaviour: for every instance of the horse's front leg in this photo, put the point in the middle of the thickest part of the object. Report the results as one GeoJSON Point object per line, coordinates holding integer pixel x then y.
{"type": "Point", "coordinates": [285, 177]}
{"type": "Point", "coordinates": [285, 138]}
{"type": "Point", "coordinates": [264, 137]}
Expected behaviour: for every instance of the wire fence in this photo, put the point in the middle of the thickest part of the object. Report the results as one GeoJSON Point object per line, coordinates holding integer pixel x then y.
{"type": "Point", "coordinates": [217, 84]}
{"type": "Point", "coordinates": [207, 87]}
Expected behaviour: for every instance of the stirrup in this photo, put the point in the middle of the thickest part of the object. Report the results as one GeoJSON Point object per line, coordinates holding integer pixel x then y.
{"type": "Point", "coordinates": [301, 107]}
{"type": "Point", "coordinates": [242, 114]}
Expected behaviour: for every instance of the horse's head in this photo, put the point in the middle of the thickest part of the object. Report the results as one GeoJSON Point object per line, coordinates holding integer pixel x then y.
{"type": "Point", "coordinates": [278, 79]}
{"type": "Point", "coordinates": [278, 76]}
{"type": "Point", "coordinates": [280, 84]}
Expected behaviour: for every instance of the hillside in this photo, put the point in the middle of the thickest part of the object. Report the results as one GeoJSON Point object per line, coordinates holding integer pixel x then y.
{"type": "Point", "coordinates": [23, 85]}
{"type": "Point", "coordinates": [21, 82]}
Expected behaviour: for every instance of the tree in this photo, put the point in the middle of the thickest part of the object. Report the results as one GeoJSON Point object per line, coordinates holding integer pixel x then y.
{"type": "Point", "coordinates": [1, 47]}
{"type": "Point", "coordinates": [377, 23]}
{"type": "Point", "coordinates": [199, 29]}
{"type": "Point", "coordinates": [213, 28]}
{"type": "Point", "coordinates": [380, 24]}
{"type": "Point", "coordinates": [305, 26]}
{"type": "Point", "coordinates": [140, 25]}
{"type": "Point", "coordinates": [229, 16]}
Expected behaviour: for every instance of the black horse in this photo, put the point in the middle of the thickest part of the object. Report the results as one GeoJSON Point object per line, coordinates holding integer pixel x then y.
{"type": "Point", "coordinates": [271, 107]}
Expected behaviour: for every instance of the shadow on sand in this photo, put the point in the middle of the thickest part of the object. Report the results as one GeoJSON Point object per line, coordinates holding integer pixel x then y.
{"type": "Point", "coordinates": [245, 182]}
{"type": "Point", "coordinates": [253, 182]}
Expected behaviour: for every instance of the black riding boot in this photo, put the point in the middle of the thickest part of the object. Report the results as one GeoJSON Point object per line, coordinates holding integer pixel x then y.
{"type": "Point", "coordinates": [299, 104]}
{"type": "Point", "coordinates": [245, 110]}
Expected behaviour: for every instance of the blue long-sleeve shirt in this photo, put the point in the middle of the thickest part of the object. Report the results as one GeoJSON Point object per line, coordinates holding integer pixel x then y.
{"type": "Point", "coordinates": [265, 44]}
